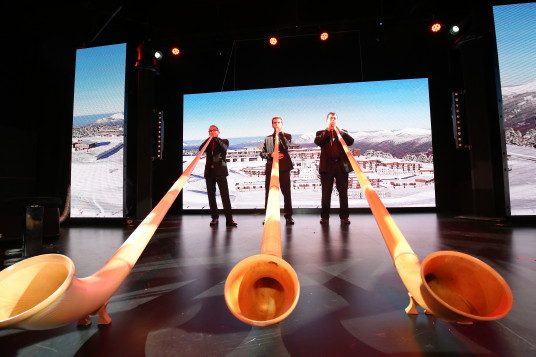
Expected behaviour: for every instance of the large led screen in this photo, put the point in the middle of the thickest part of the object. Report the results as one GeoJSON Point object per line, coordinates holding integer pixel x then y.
{"type": "Point", "coordinates": [389, 120]}
{"type": "Point", "coordinates": [97, 174]}
{"type": "Point", "coordinates": [515, 28]}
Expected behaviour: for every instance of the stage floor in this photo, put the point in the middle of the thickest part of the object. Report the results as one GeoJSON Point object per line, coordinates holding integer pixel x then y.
{"type": "Point", "coordinates": [352, 299]}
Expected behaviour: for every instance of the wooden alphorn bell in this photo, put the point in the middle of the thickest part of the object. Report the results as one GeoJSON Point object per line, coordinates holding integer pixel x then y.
{"type": "Point", "coordinates": [41, 292]}
{"type": "Point", "coordinates": [450, 285]}
{"type": "Point", "coordinates": [263, 289]}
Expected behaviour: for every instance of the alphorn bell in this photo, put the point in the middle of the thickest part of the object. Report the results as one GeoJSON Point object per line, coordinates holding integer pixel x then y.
{"type": "Point", "coordinates": [263, 289]}
{"type": "Point", "coordinates": [42, 293]}
{"type": "Point", "coordinates": [450, 285]}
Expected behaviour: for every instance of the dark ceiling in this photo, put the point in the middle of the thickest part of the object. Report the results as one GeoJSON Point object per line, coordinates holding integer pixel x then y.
{"type": "Point", "coordinates": [218, 30]}
{"type": "Point", "coordinates": [100, 22]}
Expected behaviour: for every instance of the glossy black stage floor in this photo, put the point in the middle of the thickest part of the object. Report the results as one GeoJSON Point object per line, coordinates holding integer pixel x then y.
{"type": "Point", "coordinates": [351, 303]}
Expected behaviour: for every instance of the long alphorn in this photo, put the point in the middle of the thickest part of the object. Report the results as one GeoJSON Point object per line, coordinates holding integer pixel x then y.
{"type": "Point", "coordinates": [263, 289]}
{"type": "Point", "coordinates": [450, 285]}
{"type": "Point", "coordinates": [42, 293]}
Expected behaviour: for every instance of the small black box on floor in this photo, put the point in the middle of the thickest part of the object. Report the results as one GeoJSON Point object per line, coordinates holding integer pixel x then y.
{"type": "Point", "coordinates": [33, 231]}
{"type": "Point", "coordinates": [13, 216]}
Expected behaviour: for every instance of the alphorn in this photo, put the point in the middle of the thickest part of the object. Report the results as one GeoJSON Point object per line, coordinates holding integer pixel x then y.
{"type": "Point", "coordinates": [263, 289]}
{"type": "Point", "coordinates": [42, 292]}
{"type": "Point", "coordinates": [450, 285]}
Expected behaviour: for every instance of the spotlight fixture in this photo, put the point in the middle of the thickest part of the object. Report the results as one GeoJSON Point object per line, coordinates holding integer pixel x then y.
{"type": "Point", "coordinates": [436, 27]}
{"type": "Point", "coordinates": [454, 29]}
{"type": "Point", "coordinates": [324, 36]}
{"type": "Point", "coordinates": [273, 41]}
{"type": "Point", "coordinates": [148, 58]}
{"type": "Point", "coordinates": [175, 51]}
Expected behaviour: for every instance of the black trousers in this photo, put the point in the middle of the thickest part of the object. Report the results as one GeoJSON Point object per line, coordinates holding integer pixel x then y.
{"type": "Point", "coordinates": [221, 181]}
{"type": "Point", "coordinates": [284, 186]}
{"type": "Point", "coordinates": [337, 173]}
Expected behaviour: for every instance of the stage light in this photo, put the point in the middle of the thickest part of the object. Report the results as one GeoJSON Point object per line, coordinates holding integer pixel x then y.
{"type": "Point", "coordinates": [324, 36]}
{"type": "Point", "coordinates": [454, 29]}
{"type": "Point", "coordinates": [273, 40]}
{"type": "Point", "coordinates": [175, 51]}
{"type": "Point", "coordinates": [148, 57]}
{"type": "Point", "coordinates": [436, 27]}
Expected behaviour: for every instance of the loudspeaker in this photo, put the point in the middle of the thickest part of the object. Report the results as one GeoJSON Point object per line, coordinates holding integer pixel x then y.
{"type": "Point", "coordinates": [458, 119]}
{"type": "Point", "coordinates": [158, 135]}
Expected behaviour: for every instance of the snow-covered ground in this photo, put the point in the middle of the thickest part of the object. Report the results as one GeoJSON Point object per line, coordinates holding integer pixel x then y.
{"type": "Point", "coordinates": [97, 185]}
{"type": "Point", "coordinates": [522, 178]}
{"type": "Point", "coordinates": [195, 196]}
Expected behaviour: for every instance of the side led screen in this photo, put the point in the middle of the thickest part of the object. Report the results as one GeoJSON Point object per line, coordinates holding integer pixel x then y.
{"type": "Point", "coordinates": [516, 44]}
{"type": "Point", "coordinates": [389, 120]}
{"type": "Point", "coordinates": [98, 133]}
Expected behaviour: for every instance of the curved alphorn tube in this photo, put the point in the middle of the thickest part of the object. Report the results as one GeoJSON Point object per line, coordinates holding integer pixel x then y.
{"type": "Point", "coordinates": [263, 289]}
{"type": "Point", "coordinates": [450, 285]}
{"type": "Point", "coordinates": [42, 293]}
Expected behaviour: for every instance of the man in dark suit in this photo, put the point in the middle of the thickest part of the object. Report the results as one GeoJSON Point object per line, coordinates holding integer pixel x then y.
{"type": "Point", "coordinates": [285, 165]}
{"type": "Point", "coordinates": [334, 165]}
{"type": "Point", "coordinates": [216, 173]}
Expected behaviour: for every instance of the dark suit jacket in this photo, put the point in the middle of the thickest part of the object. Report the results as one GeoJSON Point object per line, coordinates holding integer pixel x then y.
{"type": "Point", "coordinates": [216, 159]}
{"type": "Point", "coordinates": [323, 138]}
{"type": "Point", "coordinates": [285, 164]}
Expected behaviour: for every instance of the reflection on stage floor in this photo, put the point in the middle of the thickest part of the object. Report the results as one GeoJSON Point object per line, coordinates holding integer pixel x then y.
{"type": "Point", "coordinates": [351, 302]}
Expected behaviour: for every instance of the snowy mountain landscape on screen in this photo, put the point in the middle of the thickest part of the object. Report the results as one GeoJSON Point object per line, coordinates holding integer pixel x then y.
{"type": "Point", "coordinates": [97, 167]}
{"type": "Point", "coordinates": [396, 142]}
{"type": "Point", "coordinates": [519, 112]}
{"type": "Point", "coordinates": [399, 162]}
